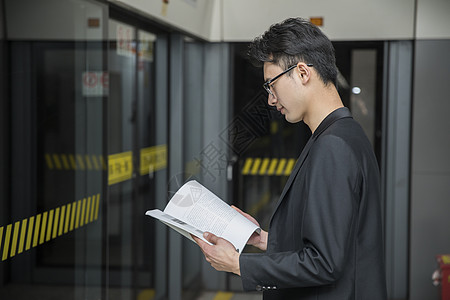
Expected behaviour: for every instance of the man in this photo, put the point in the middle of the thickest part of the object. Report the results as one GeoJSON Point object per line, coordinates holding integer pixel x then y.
{"type": "Point", "coordinates": [325, 236]}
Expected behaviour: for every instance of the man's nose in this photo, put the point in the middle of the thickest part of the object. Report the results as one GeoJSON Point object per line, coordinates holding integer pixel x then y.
{"type": "Point", "coordinates": [271, 100]}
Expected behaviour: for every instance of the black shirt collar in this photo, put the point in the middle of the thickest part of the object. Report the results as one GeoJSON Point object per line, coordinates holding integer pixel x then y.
{"type": "Point", "coordinates": [342, 112]}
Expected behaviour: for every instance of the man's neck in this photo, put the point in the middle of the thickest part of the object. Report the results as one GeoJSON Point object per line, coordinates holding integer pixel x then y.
{"type": "Point", "coordinates": [324, 102]}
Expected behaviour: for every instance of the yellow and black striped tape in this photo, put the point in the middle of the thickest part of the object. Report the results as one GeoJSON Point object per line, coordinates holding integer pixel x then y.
{"type": "Point", "coordinates": [35, 230]}
{"type": "Point", "coordinates": [75, 162]}
{"type": "Point", "coordinates": [120, 165]}
{"type": "Point", "coordinates": [268, 166]}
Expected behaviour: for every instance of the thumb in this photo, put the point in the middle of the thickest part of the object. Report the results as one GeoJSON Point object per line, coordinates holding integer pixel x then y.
{"type": "Point", "coordinates": [212, 238]}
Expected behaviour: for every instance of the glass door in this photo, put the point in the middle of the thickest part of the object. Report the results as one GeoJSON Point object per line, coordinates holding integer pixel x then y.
{"type": "Point", "coordinates": [137, 157]}
{"type": "Point", "coordinates": [84, 151]}
{"type": "Point", "coordinates": [51, 232]}
{"type": "Point", "coordinates": [121, 122]}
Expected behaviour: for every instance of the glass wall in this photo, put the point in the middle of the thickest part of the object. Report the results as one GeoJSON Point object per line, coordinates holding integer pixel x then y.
{"type": "Point", "coordinates": [52, 226]}
{"type": "Point", "coordinates": [4, 128]}
{"type": "Point", "coordinates": [84, 152]}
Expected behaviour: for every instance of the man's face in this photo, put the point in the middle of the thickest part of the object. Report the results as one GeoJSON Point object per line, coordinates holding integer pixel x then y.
{"type": "Point", "coordinates": [286, 92]}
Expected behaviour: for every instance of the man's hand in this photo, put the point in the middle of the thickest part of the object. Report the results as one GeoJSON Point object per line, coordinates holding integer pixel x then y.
{"type": "Point", "coordinates": [257, 240]}
{"type": "Point", "coordinates": [221, 254]}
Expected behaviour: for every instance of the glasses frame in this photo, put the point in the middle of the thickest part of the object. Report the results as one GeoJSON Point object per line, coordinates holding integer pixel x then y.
{"type": "Point", "coordinates": [267, 84]}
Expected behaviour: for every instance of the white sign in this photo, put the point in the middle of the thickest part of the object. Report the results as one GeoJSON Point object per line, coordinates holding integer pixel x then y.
{"type": "Point", "coordinates": [146, 43]}
{"type": "Point", "coordinates": [95, 84]}
{"type": "Point", "coordinates": [125, 40]}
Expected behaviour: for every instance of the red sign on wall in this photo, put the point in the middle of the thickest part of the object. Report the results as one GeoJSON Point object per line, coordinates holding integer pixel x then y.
{"type": "Point", "coordinates": [95, 84]}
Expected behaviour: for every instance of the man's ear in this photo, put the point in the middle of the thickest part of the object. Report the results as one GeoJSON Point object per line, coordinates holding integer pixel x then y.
{"type": "Point", "coordinates": [304, 72]}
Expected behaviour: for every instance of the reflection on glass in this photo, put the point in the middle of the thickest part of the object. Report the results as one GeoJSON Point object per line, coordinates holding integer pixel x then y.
{"type": "Point", "coordinates": [363, 80]}
{"type": "Point", "coordinates": [356, 90]}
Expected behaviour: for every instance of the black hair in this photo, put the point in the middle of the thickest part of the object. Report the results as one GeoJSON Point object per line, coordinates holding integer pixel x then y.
{"type": "Point", "coordinates": [295, 40]}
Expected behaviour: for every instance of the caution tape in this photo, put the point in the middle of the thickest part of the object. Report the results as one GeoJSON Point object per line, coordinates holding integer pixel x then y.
{"type": "Point", "coordinates": [36, 230]}
{"type": "Point", "coordinates": [74, 162]}
{"type": "Point", "coordinates": [119, 165]}
{"type": "Point", "coordinates": [268, 166]}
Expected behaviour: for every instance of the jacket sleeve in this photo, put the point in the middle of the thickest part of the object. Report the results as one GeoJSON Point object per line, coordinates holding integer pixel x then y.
{"type": "Point", "coordinates": [331, 189]}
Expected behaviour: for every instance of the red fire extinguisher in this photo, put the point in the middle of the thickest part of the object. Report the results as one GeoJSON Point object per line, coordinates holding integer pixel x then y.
{"type": "Point", "coordinates": [441, 277]}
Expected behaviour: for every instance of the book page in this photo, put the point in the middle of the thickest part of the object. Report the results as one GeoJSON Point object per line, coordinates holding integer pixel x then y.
{"type": "Point", "coordinates": [177, 225]}
{"type": "Point", "coordinates": [198, 207]}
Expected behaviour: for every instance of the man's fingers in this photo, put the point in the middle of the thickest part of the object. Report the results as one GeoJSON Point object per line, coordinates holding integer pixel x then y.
{"type": "Point", "coordinates": [201, 243]}
{"type": "Point", "coordinates": [249, 217]}
{"type": "Point", "coordinates": [212, 238]}
{"type": "Point", "coordinates": [196, 239]}
{"type": "Point", "coordinates": [238, 210]}
{"type": "Point", "coordinates": [221, 254]}
{"type": "Point", "coordinates": [209, 237]}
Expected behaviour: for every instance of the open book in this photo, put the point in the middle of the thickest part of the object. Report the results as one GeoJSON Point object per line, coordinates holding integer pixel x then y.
{"type": "Point", "coordinates": [194, 209]}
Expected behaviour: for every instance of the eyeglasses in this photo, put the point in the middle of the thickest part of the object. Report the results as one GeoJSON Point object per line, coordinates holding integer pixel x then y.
{"type": "Point", "coordinates": [267, 84]}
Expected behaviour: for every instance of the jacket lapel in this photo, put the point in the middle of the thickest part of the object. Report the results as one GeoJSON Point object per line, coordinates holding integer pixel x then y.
{"type": "Point", "coordinates": [294, 173]}
{"type": "Point", "coordinates": [330, 119]}
{"type": "Point", "coordinates": [297, 167]}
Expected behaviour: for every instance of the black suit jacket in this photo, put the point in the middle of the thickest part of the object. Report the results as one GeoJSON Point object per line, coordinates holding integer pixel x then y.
{"type": "Point", "coordinates": [325, 235]}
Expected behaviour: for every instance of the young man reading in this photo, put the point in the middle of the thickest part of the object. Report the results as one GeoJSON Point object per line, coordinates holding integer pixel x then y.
{"type": "Point", "coordinates": [325, 235]}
